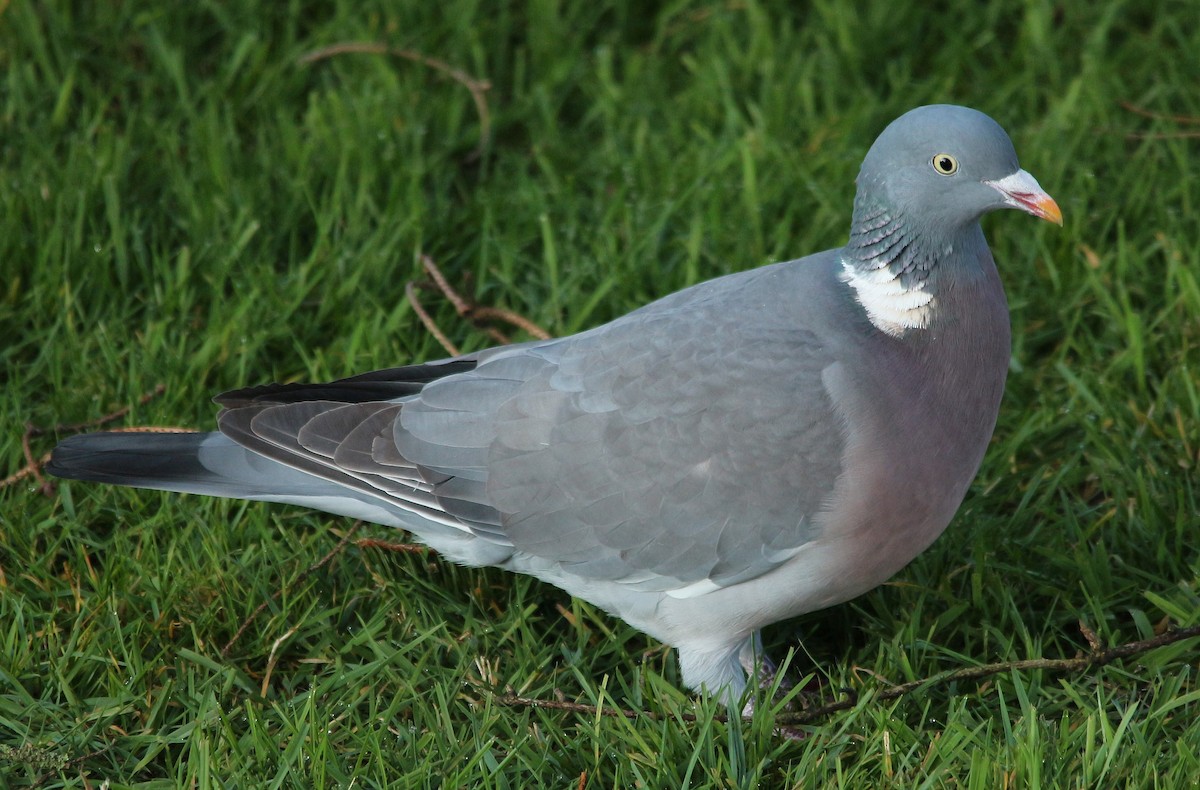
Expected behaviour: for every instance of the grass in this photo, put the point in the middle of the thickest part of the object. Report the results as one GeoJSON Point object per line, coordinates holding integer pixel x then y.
{"type": "Point", "coordinates": [183, 203]}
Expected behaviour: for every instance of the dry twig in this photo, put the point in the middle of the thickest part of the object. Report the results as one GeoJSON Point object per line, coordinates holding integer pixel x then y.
{"type": "Point", "coordinates": [1157, 116]}
{"type": "Point", "coordinates": [478, 315]}
{"type": "Point", "coordinates": [386, 545]}
{"type": "Point", "coordinates": [477, 87]}
{"type": "Point", "coordinates": [33, 466]}
{"type": "Point", "coordinates": [410, 290]}
{"type": "Point", "coordinates": [1097, 657]}
{"type": "Point", "coordinates": [584, 708]}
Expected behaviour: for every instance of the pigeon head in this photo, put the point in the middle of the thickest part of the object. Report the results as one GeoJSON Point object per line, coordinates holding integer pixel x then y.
{"type": "Point", "coordinates": [923, 186]}
{"type": "Point", "coordinates": [948, 166]}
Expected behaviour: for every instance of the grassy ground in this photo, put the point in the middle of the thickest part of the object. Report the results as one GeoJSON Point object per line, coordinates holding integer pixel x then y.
{"type": "Point", "coordinates": [183, 203]}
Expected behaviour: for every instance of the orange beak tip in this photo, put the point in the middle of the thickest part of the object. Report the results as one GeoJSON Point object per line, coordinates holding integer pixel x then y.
{"type": "Point", "coordinates": [1048, 210]}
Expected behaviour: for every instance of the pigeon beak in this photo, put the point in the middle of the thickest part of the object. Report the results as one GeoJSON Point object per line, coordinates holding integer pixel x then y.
{"type": "Point", "coordinates": [1021, 190]}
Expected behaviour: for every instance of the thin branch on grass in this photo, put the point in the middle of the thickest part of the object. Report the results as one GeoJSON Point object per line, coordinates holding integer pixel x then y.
{"type": "Point", "coordinates": [410, 290]}
{"type": "Point", "coordinates": [1158, 116]}
{"type": "Point", "coordinates": [1097, 657]}
{"type": "Point", "coordinates": [1163, 135]}
{"type": "Point", "coordinates": [1190, 120]}
{"type": "Point", "coordinates": [387, 545]}
{"type": "Point", "coordinates": [517, 701]}
{"type": "Point", "coordinates": [33, 466]}
{"type": "Point", "coordinates": [477, 87]}
{"type": "Point", "coordinates": [479, 315]}
{"type": "Point", "coordinates": [76, 427]}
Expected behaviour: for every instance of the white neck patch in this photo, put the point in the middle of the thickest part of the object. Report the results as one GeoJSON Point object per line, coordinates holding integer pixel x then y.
{"type": "Point", "coordinates": [892, 308]}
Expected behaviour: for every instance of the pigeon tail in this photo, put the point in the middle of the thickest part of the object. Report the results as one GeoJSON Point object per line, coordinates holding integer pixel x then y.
{"type": "Point", "coordinates": [134, 459]}
{"type": "Point", "coordinates": [189, 463]}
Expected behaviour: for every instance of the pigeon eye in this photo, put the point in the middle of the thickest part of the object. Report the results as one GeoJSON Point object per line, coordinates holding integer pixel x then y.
{"type": "Point", "coordinates": [945, 164]}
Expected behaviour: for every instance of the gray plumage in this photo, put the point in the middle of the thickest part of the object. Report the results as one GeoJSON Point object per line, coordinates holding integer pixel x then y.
{"type": "Point", "coordinates": [757, 446]}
